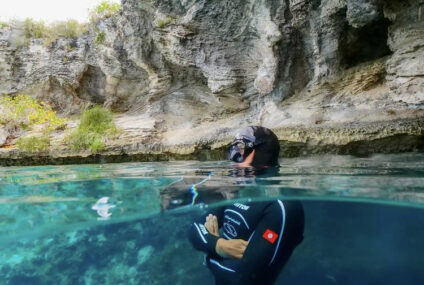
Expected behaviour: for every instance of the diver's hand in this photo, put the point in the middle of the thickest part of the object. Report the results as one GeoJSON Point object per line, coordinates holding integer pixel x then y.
{"type": "Point", "coordinates": [233, 248]}
{"type": "Point", "coordinates": [212, 225]}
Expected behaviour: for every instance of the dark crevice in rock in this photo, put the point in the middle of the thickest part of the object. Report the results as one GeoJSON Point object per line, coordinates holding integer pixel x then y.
{"type": "Point", "coordinates": [299, 69]}
{"type": "Point", "coordinates": [315, 4]}
{"type": "Point", "coordinates": [185, 75]}
{"type": "Point", "coordinates": [17, 65]}
{"type": "Point", "coordinates": [288, 16]}
{"type": "Point", "coordinates": [294, 72]}
{"type": "Point", "coordinates": [73, 43]}
{"type": "Point", "coordinates": [393, 144]}
{"type": "Point", "coordinates": [364, 44]}
{"type": "Point", "coordinates": [92, 85]}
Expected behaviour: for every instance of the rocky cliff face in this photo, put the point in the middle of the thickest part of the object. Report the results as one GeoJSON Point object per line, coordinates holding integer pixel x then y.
{"type": "Point", "coordinates": [326, 75]}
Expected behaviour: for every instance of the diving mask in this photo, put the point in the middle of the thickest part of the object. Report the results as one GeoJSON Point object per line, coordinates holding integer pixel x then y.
{"type": "Point", "coordinates": [239, 150]}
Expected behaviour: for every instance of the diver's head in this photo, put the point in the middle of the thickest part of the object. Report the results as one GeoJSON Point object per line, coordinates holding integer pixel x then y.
{"type": "Point", "coordinates": [255, 146]}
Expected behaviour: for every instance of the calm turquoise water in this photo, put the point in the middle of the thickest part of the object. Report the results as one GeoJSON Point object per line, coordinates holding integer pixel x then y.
{"type": "Point", "coordinates": [126, 223]}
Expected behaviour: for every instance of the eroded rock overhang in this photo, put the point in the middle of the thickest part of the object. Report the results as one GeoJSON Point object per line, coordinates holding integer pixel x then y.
{"type": "Point", "coordinates": [327, 76]}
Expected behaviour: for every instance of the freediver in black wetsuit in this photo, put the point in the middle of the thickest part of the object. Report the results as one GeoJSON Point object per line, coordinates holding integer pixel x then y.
{"type": "Point", "coordinates": [250, 243]}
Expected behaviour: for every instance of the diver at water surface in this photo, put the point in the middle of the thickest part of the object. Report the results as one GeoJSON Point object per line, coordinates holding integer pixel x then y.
{"type": "Point", "coordinates": [249, 243]}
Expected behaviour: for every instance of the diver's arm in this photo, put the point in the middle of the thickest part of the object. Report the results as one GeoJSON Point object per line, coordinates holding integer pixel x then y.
{"type": "Point", "coordinates": [200, 237]}
{"type": "Point", "coordinates": [233, 248]}
{"type": "Point", "coordinates": [261, 252]}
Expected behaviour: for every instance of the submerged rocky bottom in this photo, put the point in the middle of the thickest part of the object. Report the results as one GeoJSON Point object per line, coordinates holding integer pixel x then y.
{"type": "Point", "coordinates": [345, 243]}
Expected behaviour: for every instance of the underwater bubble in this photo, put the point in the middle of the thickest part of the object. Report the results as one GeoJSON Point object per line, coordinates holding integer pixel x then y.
{"type": "Point", "coordinates": [176, 202]}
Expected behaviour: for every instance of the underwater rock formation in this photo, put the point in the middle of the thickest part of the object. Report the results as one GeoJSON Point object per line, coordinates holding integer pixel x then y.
{"type": "Point", "coordinates": [155, 250]}
{"type": "Point", "coordinates": [112, 254]}
{"type": "Point", "coordinates": [185, 74]}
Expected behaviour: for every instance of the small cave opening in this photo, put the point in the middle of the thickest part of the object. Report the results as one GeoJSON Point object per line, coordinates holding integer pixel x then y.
{"type": "Point", "coordinates": [366, 43]}
{"type": "Point", "coordinates": [92, 85]}
{"type": "Point", "coordinates": [294, 69]}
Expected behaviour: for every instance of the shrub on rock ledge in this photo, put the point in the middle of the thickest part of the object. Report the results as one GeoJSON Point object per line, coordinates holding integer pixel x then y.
{"type": "Point", "coordinates": [95, 126]}
{"type": "Point", "coordinates": [23, 111]}
{"type": "Point", "coordinates": [34, 144]}
{"type": "Point", "coordinates": [164, 22]}
{"type": "Point", "coordinates": [49, 33]}
{"type": "Point", "coordinates": [104, 10]}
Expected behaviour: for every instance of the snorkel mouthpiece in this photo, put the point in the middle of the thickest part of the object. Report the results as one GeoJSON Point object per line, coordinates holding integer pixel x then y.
{"type": "Point", "coordinates": [234, 154]}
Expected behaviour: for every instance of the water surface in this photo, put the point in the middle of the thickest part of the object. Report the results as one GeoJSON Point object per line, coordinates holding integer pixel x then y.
{"type": "Point", "coordinates": [364, 219]}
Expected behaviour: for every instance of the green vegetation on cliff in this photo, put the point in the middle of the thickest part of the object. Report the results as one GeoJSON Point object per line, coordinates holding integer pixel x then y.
{"type": "Point", "coordinates": [100, 38]}
{"type": "Point", "coordinates": [34, 144]}
{"type": "Point", "coordinates": [164, 22]}
{"type": "Point", "coordinates": [104, 10]}
{"type": "Point", "coordinates": [23, 111]}
{"type": "Point", "coordinates": [3, 25]}
{"type": "Point", "coordinates": [33, 29]}
{"type": "Point", "coordinates": [96, 126]}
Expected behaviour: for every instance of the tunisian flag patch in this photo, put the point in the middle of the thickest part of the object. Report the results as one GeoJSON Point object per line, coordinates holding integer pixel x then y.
{"type": "Point", "coordinates": [270, 236]}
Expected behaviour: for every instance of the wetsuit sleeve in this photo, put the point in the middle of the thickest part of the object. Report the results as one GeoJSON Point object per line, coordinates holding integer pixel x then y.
{"type": "Point", "coordinates": [262, 251]}
{"type": "Point", "coordinates": [199, 236]}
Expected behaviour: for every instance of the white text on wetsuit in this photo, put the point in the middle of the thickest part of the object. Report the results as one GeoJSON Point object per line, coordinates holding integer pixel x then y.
{"type": "Point", "coordinates": [241, 206]}
{"type": "Point", "coordinates": [203, 229]}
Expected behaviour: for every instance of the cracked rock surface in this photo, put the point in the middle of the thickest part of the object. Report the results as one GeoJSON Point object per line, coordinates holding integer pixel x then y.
{"type": "Point", "coordinates": [184, 75]}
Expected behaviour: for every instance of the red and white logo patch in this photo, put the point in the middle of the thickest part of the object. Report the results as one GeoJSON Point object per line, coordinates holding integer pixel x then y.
{"type": "Point", "coordinates": [270, 236]}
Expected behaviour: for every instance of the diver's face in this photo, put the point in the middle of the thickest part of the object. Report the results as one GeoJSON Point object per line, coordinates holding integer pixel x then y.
{"type": "Point", "coordinates": [236, 151]}
{"type": "Point", "coordinates": [248, 161]}
{"type": "Point", "coordinates": [240, 147]}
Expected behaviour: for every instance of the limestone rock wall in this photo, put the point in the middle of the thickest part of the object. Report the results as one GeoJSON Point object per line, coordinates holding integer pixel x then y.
{"type": "Point", "coordinates": [199, 69]}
